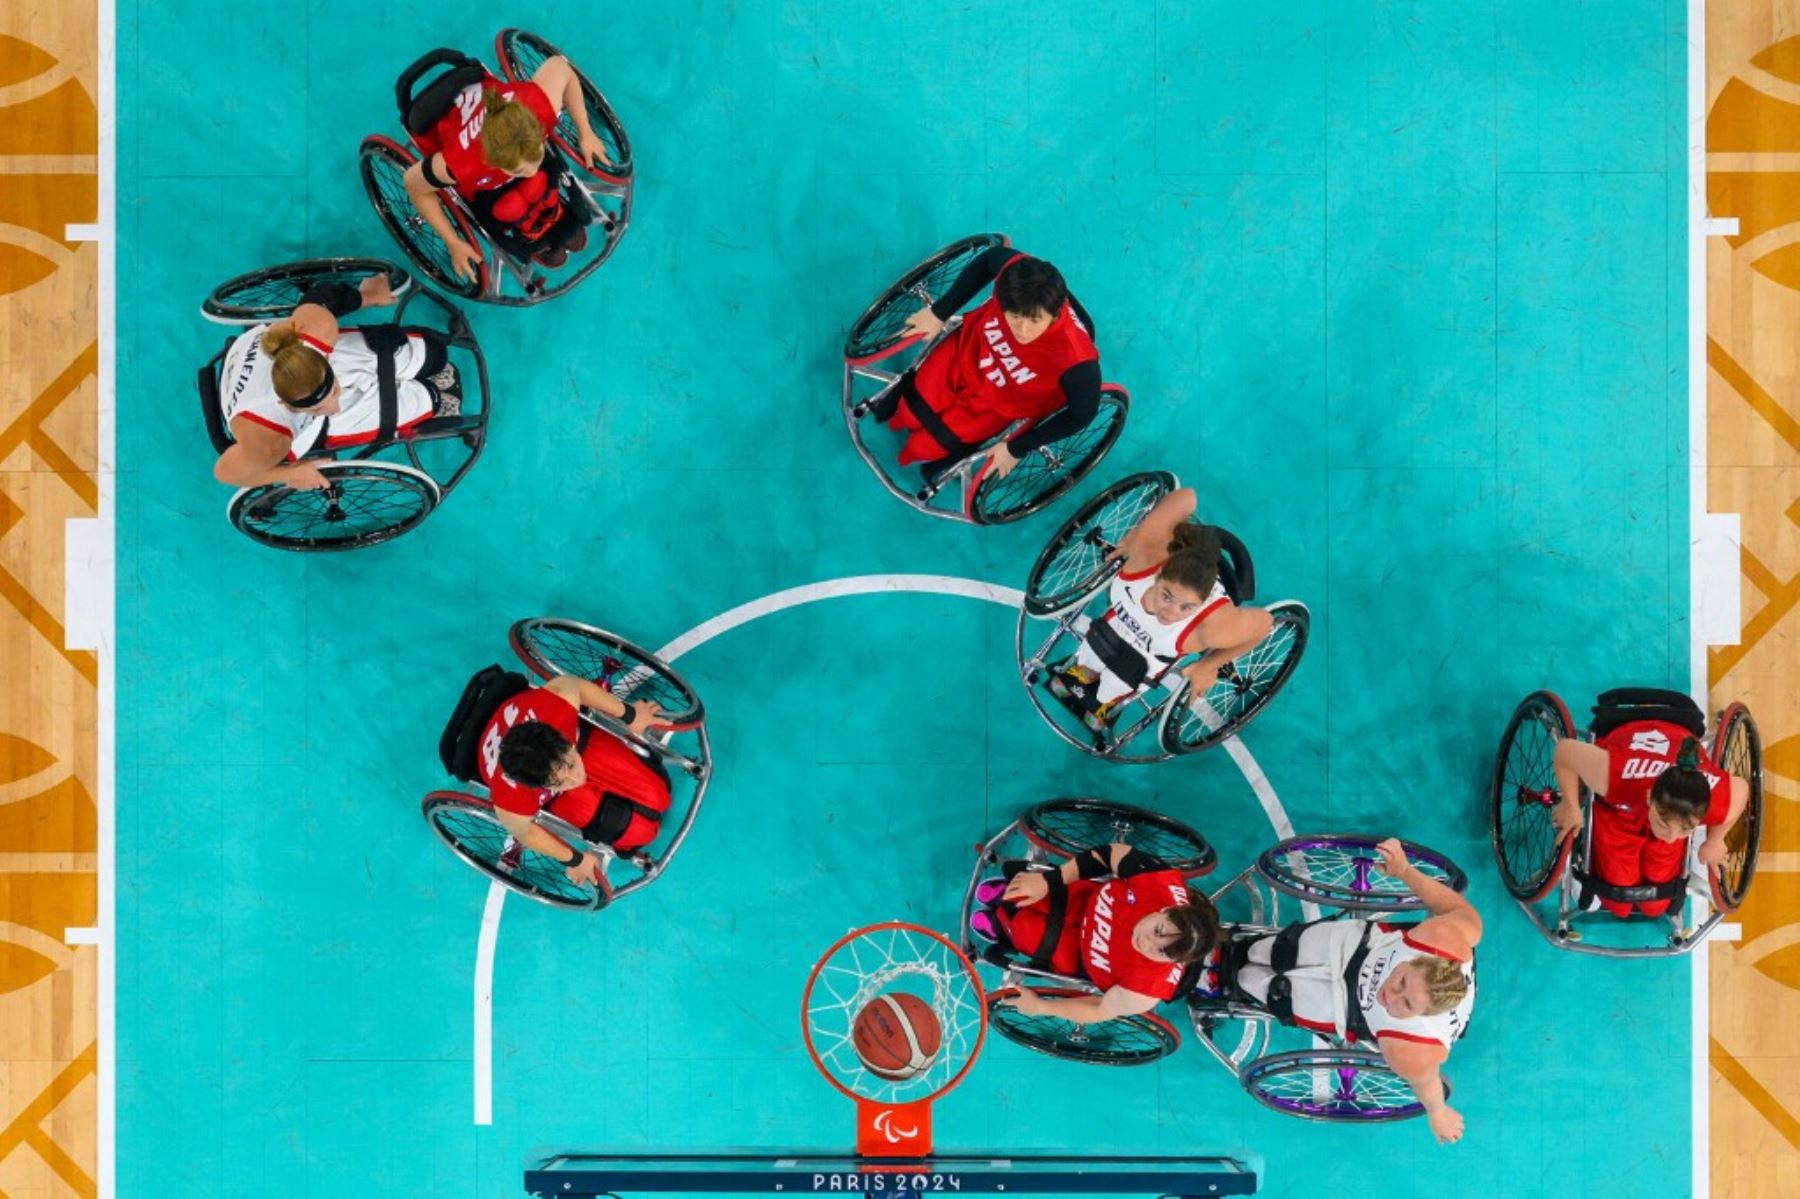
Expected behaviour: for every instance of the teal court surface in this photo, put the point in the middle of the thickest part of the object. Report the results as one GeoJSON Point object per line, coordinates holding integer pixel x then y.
{"type": "Point", "coordinates": [1400, 288]}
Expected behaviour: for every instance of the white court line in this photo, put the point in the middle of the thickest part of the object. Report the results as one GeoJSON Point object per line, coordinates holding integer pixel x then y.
{"type": "Point", "coordinates": [87, 610]}
{"type": "Point", "coordinates": [700, 634]}
{"type": "Point", "coordinates": [104, 579]}
{"type": "Point", "coordinates": [81, 233]}
{"type": "Point", "coordinates": [81, 936]}
{"type": "Point", "coordinates": [1700, 1014]}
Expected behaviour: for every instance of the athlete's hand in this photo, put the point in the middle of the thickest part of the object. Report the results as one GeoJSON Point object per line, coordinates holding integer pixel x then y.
{"type": "Point", "coordinates": [1446, 1125]}
{"type": "Point", "coordinates": [923, 323]}
{"type": "Point", "coordinates": [648, 716]}
{"type": "Point", "coordinates": [593, 150]}
{"type": "Point", "coordinates": [1565, 818]}
{"type": "Point", "coordinates": [1393, 857]}
{"type": "Point", "coordinates": [375, 291]}
{"type": "Point", "coordinates": [1200, 677]}
{"type": "Point", "coordinates": [1001, 460]}
{"type": "Point", "coordinates": [1027, 1002]}
{"type": "Point", "coordinates": [1026, 887]}
{"type": "Point", "coordinates": [1711, 853]}
{"type": "Point", "coordinates": [303, 476]}
{"type": "Point", "coordinates": [585, 873]}
{"type": "Point", "coordinates": [464, 258]}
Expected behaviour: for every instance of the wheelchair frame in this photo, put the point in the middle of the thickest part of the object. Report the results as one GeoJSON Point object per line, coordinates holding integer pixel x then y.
{"type": "Point", "coordinates": [1702, 909]}
{"type": "Point", "coordinates": [588, 186]}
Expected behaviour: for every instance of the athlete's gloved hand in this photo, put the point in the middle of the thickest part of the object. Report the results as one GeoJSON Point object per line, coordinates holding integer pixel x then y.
{"type": "Point", "coordinates": [923, 323]}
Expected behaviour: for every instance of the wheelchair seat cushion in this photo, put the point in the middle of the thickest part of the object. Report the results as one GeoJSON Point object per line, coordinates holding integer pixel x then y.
{"type": "Point", "coordinates": [459, 747]}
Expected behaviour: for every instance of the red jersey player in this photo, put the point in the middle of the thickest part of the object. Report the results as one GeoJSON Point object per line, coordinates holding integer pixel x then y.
{"type": "Point", "coordinates": [1653, 785]}
{"type": "Point", "coordinates": [537, 753]}
{"type": "Point", "coordinates": [1113, 915]}
{"type": "Point", "coordinates": [490, 145]}
{"type": "Point", "coordinates": [1025, 353]}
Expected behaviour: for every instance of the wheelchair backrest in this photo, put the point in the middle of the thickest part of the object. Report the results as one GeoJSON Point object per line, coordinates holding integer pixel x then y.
{"type": "Point", "coordinates": [212, 407]}
{"type": "Point", "coordinates": [459, 749]}
{"type": "Point", "coordinates": [1235, 568]}
{"type": "Point", "coordinates": [1623, 705]}
{"type": "Point", "coordinates": [421, 109]}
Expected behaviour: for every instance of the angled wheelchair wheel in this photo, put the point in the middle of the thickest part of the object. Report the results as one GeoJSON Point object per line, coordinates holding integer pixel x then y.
{"type": "Point", "coordinates": [520, 54]}
{"type": "Point", "coordinates": [551, 647]}
{"type": "Point", "coordinates": [1074, 562]}
{"type": "Point", "coordinates": [1244, 688]}
{"type": "Point", "coordinates": [1124, 1041]}
{"type": "Point", "coordinates": [1062, 827]}
{"type": "Point", "coordinates": [273, 292]}
{"type": "Point", "coordinates": [881, 329]}
{"type": "Point", "coordinates": [1522, 796]}
{"type": "Point", "coordinates": [1042, 476]}
{"type": "Point", "coordinates": [383, 163]}
{"type": "Point", "coordinates": [1340, 871]}
{"type": "Point", "coordinates": [1737, 748]}
{"type": "Point", "coordinates": [367, 503]}
{"type": "Point", "coordinates": [470, 829]}
{"type": "Point", "coordinates": [1347, 1086]}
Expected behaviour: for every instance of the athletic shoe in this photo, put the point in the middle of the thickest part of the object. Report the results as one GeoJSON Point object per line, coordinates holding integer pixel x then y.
{"type": "Point", "coordinates": [512, 856]}
{"type": "Point", "coordinates": [449, 390]}
{"type": "Point", "coordinates": [552, 258]}
{"type": "Point", "coordinates": [1072, 680]}
{"type": "Point", "coordinates": [578, 242]}
{"type": "Point", "coordinates": [982, 925]}
{"type": "Point", "coordinates": [989, 890]}
{"type": "Point", "coordinates": [1099, 719]}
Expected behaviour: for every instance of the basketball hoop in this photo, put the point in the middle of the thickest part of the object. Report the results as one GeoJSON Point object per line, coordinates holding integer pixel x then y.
{"type": "Point", "coordinates": [893, 1115]}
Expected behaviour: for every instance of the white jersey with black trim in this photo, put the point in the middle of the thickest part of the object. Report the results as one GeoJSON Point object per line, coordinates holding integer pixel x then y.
{"type": "Point", "coordinates": [247, 388]}
{"type": "Point", "coordinates": [1390, 947]}
{"type": "Point", "coordinates": [1157, 643]}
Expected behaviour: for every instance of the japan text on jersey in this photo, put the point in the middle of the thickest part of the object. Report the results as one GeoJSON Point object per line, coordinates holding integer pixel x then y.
{"type": "Point", "coordinates": [1000, 361]}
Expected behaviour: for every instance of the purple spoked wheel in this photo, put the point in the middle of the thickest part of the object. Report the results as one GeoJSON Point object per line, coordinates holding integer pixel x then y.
{"type": "Point", "coordinates": [1341, 870]}
{"type": "Point", "coordinates": [1347, 1086]}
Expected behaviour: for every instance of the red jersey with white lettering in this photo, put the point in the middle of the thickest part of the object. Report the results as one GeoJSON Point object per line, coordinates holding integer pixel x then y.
{"type": "Point", "coordinates": [457, 134]}
{"type": "Point", "coordinates": [536, 704]}
{"type": "Point", "coordinates": [980, 378]}
{"type": "Point", "coordinates": [1108, 957]}
{"type": "Point", "coordinates": [1636, 754]}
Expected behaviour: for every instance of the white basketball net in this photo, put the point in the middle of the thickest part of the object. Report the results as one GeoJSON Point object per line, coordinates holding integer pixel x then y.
{"type": "Point", "coordinates": [888, 958]}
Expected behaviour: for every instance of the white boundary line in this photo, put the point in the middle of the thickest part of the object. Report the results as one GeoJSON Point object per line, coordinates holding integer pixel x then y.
{"type": "Point", "coordinates": [104, 579]}
{"type": "Point", "coordinates": [725, 622]}
{"type": "Point", "coordinates": [1699, 1067]}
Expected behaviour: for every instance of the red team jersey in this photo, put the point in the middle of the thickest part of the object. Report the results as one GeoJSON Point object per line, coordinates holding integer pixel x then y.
{"type": "Point", "coordinates": [535, 704]}
{"type": "Point", "coordinates": [1636, 754]}
{"type": "Point", "coordinates": [1096, 932]}
{"type": "Point", "coordinates": [457, 135]}
{"type": "Point", "coordinates": [980, 379]}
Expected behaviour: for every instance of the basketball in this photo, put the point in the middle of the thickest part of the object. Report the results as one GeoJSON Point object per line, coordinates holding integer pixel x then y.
{"type": "Point", "coordinates": [896, 1035]}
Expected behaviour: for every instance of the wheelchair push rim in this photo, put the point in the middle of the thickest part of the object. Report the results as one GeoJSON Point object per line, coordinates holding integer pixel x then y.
{"type": "Point", "coordinates": [1135, 1040]}
{"type": "Point", "coordinates": [1064, 827]}
{"type": "Point", "coordinates": [469, 828]}
{"type": "Point", "coordinates": [520, 53]}
{"type": "Point", "coordinates": [1074, 563]}
{"type": "Point", "coordinates": [1340, 871]}
{"type": "Point", "coordinates": [552, 646]}
{"type": "Point", "coordinates": [1522, 795]}
{"type": "Point", "coordinates": [1047, 473]}
{"type": "Point", "coordinates": [1737, 750]}
{"type": "Point", "coordinates": [367, 503]}
{"type": "Point", "coordinates": [273, 292]}
{"type": "Point", "coordinates": [880, 330]}
{"type": "Point", "coordinates": [1244, 689]}
{"type": "Point", "coordinates": [383, 163]}
{"type": "Point", "coordinates": [1347, 1086]}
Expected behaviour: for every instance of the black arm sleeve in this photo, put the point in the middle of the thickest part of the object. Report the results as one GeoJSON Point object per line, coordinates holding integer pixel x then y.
{"type": "Point", "coordinates": [983, 270]}
{"type": "Point", "coordinates": [1097, 863]}
{"type": "Point", "coordinates": [1081, 400]}
{"type": "Point", "coordinates": [1136, 862]}
{"type": "Point", "coordinates": [339, 299]}
{"type": "Point", "coordinates": [431, 175]}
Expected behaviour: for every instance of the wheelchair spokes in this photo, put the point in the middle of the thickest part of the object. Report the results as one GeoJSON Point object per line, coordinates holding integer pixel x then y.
{"type": "Point", "coordinates": [471, 831]}
{"type": "Point", "coordinates": [635, 675]}
{"type": "Point", "coordinates": [1525, 795]}
{"type": "Point", "coordinates": [1345, 1086]}
{"type": "Point", "coordinates": [1046, 473]}
{"type": "Point", "coordinates": [1243, 688]}
{"type": "Point", "coordinates": [881, 328]}
{"type": "Point", "coordinates": [1066, 826]}
{"type": "Point", "coordinates": [1341, 870]}
{"type": "Point", "coordinates": [366, 503]}
{"type": "Point", "coordinates": [1124, 1041]}
{"type": "Point", "coordinates": [1739, 752]}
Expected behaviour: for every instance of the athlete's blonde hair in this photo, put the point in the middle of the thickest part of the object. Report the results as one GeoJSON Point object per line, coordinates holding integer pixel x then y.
{"type": "Point", "coordinates": [296, 368]}
{"type": "Point", "coordinates": [510, 134]}
{"type": "Point", "coordinates": [1445, 983]}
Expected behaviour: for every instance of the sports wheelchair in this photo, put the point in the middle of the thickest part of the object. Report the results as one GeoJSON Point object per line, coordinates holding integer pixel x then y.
{"type": "Point", "coordinates": [373, 497]}
{"type": "Point", "coordinates": [1330, 1080]}
{"type": "Point", "coordinates": [1534, 861]}
{"type": "Point", "coordinates": [466, 822]}
{"type": "Point", "coordinates": [1068, 587]}
{"type": "Point", "coordinates": [602, 195]}
{"type": "Point", "coordinates": [957, 488]}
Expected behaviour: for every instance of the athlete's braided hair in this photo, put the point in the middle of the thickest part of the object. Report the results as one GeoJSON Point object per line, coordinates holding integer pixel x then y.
{"type": "Point", "coordinates": [1681, 792]}
{"type": "Point", "coordinates": [1445, 983]}
{"type": "Point", "coordinates": [510, 134]}
{"type": "Point", "coordinates": [530, 751]}
{"type": "Point", "coordinates": [1193, 561]}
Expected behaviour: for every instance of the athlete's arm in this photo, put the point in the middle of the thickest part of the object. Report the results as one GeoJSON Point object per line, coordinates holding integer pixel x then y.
{"type": "Point", "coordinates": [1713, 847]}
{"type": "Point", "coordinates": [1081, 402]}
{"type": "Point", "coordinates": [1147, 542]}
{"type": "Point", "coordinates": [258, 455]}
{"type": "Point", "coordinates": [559, 82]}
{"type": "Point", "coordinates": [1418, 1064]}
{"type": "Point", "coordinates": [542, 841]}
{"type": "Point", "coordinates": [1236, 631]}
{"type": "Point", "coordinates": [1576, 763]}
{"type": "Point", "coordinates": [1083, 1009]}
{"type": "Point", "coordinates": [595, 698]}
{"type": "Point", "coordinates": [1455, 926]}
{"type": "Point", "coordinates": [422, 191]}
{"type": "Point", "coordinates": [315, 321]}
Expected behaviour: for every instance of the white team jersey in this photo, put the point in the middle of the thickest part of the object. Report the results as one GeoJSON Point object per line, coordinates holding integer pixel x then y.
{"type": "Point", "coordinates": [1159, 643]}
{"type": "Point", "coordinates": [1390, 948]}
{"type": "Point", "coordinates": [247, 388]}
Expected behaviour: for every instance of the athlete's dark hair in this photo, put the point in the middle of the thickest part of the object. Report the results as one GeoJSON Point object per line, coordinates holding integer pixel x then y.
{"type": "Point", "coordinates": [530, 751]}
{"type": "Point", "coordinates": [1196, 924]}
{"type": "Point", "coordinates": [1031, 287]}
{"type": "Point", "coordinates": [1193, 558]}
{"type": "Point", "coordinates": [1681, 792]}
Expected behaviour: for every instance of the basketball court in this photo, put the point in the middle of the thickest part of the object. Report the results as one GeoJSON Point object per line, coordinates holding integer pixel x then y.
{"type": "Point", "coordinates": [1472, 321]}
